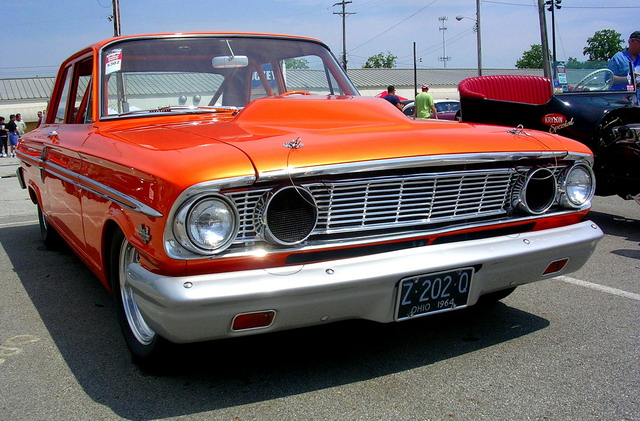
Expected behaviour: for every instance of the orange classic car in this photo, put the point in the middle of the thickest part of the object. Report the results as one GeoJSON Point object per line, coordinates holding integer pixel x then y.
{"type": "Point", "coordinates": [230, 184]}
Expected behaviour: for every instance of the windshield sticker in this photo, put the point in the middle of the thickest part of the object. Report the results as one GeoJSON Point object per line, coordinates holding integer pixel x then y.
{"type": "Point", "coordinates": [113, 61]}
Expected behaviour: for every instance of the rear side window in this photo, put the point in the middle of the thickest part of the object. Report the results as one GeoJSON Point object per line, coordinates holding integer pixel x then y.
{"type": "Point", "coordinates": [62, 104]}
{"type": "Point", "coordinates": [73, 102]}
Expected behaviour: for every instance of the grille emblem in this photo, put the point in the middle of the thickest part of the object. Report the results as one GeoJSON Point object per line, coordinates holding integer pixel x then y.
{"type": "Point", "coordinates": [294, 144]}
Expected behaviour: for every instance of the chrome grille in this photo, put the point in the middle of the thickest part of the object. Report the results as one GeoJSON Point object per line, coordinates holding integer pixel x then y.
{"type": "Point", "coordinates": [247, 202]}
{"type": "Point", "coordinates": [410, 200]}
{"type": "Point", "coordinates": [393, 201]}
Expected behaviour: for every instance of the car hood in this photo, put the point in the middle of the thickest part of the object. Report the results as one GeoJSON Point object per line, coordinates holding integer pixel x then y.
{"type": "Point", "coordinates": [328, 130]}
{"type": "Point", "coordinates": [335, 130]}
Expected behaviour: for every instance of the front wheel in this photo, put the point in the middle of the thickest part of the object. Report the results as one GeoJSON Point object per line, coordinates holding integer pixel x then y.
{"type": "Point", "coordinates": [145, 344]}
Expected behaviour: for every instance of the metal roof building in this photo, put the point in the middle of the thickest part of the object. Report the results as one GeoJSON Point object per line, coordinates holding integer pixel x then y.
{"type": "Point", "coordinates": [28, 95]}
{"type": "Point", "coordinates": [25, 89]}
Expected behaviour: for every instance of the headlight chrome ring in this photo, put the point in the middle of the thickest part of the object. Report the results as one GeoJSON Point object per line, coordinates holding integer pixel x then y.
{"type": "Point", "coordinates": [206, 224]}
{"type": "Point", "coordinates": [578, 186]}
{"type": "Point", "coordinates": [286, 216]}
{"type": "Point", "coordinates": [538, 192]}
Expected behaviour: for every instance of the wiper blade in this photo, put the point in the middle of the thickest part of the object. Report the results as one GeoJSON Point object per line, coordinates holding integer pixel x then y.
{"type": "Point", "coordinates": [184, 109]}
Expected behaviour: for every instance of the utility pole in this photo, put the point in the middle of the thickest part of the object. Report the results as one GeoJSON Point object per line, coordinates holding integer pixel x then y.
{"type": "Point", "coordinates": [415, 71]}
{"type": "Point", "coordinates": [115, 4]}
{"type": "Point", "coordinates": [552, 6]}
{"type": "Point", "coordinates": [344, 14]}
{"type": "Point", "coordinates": [478, 38]}
{"type": "Point", "coordinates": [544, 40]}
{"type": "Point", "coordinates": [443, 28]}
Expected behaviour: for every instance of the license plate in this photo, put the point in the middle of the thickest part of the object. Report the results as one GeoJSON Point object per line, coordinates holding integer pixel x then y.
{"type": "Point", "coordinates": [433, 293]}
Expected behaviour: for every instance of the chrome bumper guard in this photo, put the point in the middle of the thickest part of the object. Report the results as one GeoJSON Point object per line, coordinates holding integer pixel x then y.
{"type": "Point", "coordinates": [202, 307]}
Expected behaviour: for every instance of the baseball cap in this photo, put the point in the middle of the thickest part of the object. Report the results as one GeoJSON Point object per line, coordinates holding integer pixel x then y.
{"type": "Point", "coordinates": [635, 35]}
{"type": "Point", "coordinates": [425, 86]}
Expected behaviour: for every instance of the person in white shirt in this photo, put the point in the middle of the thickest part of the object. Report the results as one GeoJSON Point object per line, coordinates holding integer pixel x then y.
{"type": "Point", "coordinates": [22, 126]}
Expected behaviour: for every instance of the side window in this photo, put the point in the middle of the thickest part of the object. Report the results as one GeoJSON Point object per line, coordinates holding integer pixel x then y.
{"type": "Point", "coordinates": [62, 104]}
{"type": "Point", "coordinates": [73, 104]}
{"type": "Point", "coordinates": [309, 73]}
{"type": "Point", "coordinates": [81, 105]}
{"type": "Point", "coordinates": [81, 111]}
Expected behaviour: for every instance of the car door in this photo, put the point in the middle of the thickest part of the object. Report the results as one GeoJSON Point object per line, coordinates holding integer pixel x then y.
{"type": "Point", "coordinates": [59, 154]}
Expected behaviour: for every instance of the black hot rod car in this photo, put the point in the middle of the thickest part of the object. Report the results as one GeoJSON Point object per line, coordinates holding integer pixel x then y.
{"type": "Point", "coordinates": [576, 103]}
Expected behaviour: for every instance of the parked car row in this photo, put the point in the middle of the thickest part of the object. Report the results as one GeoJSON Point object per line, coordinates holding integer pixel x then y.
{"type": "Point", "coordinates": [447, 108]}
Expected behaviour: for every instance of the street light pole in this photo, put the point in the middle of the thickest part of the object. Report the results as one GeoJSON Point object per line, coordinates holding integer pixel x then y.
{"type": "Point", "coordinates": [478, 36]}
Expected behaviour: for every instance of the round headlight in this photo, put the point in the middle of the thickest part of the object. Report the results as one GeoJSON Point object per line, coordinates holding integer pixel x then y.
{"type": "Point", "coordinates": [578, 186]}
{"type": "Point", "coordinates": [206, 225]}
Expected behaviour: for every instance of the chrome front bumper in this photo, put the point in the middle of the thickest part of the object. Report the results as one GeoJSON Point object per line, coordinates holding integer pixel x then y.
{"type": "Point", "coordinates": [202, 307]}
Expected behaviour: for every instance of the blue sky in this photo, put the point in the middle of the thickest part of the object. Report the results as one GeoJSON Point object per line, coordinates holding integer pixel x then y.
{"type": "Point", "coordinates": [38, 34]}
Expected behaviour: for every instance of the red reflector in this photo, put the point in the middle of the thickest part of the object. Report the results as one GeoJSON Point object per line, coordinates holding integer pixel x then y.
{"type": "Point", "coordinates": [253, 320]}
{"type": "Point", "coordinates": [555, 266]}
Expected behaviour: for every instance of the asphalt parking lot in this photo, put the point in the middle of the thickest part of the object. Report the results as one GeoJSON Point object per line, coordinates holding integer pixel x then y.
{"type": "Point", "coordinates": [561, 349]}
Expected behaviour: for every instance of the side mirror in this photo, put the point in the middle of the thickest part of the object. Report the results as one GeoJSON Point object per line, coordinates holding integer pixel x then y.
{"type": "Point", "coordinates": [230, 62]}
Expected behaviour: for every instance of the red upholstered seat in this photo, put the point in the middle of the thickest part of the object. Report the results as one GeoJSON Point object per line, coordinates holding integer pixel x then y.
{"type": "Point", "coordinates": [514, 88]}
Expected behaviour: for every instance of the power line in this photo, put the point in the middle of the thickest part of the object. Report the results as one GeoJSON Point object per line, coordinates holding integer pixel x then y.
{"type": "Point", "coordinates": [394, 26]}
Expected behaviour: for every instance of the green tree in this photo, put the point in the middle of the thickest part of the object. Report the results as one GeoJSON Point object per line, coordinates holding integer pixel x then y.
{"type": "Point", "coordinates": [603, 45]}
{"type": "Point", "coordinates": [381, 61]}
{"type": "Point", "coordinates": [296, 63]}
{"type": "Point", "coordinates": [531, 59]}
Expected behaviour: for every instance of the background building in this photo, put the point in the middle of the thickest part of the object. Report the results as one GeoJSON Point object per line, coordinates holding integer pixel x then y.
{"type": "Point", "coordinates": [27, 96]}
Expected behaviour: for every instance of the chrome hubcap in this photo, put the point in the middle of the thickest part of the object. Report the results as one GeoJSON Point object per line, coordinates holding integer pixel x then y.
{"type": "Point", "coordinates": [142, 332]}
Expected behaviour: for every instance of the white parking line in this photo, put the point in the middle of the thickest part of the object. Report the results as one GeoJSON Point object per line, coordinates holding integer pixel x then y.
{"type": "Point", "coordinates": [598, 287]}
{"type": "Point", "coordinates": [18, 224]}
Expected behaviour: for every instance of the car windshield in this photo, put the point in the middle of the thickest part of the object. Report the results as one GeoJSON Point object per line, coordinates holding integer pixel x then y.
{"type": "Point", "coordinates": [212, 73]}
{"type": "Point", "coordinates": [447, 106]}
{"type": "Point", "coordinates": [588, 76]}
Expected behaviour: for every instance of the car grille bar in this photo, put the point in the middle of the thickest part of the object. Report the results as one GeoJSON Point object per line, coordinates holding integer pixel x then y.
{"type": "Point", "coordinates": [391, 202]}
{"type": "Point", "coordinates": [409, 200]}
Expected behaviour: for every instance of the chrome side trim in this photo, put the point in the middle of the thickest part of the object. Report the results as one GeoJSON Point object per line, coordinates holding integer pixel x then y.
{"type": "Point", "coordinates": [99, 189]}
{"type": "Point", "coordinates": [215, 186]}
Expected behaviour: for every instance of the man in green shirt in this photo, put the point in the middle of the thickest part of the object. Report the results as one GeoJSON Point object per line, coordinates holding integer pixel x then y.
{"type": "Point", "coordinates": [425, 108]}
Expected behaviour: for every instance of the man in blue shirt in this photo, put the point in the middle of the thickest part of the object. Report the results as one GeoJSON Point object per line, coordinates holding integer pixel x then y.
{"type": "Point", "coordinates": [393, 98]}
{"type": "Point", "coordinates": [619, 63]}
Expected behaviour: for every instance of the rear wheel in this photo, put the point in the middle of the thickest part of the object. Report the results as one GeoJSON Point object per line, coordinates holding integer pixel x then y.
{"type": "Point", "coordinates": [145, 344]}
{"type": "Point", "coordinates": [49, 236]}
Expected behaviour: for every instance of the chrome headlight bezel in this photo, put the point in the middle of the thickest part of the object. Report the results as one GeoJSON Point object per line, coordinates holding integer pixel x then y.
{"type": "Point", "coordinates": [298, 200]}
{"type": "Point", "coordinates": [186, 218]}
{"type": "Point", "coordinates": [538, 193]}
{"type": "Point", "coordinates": [577, 196]}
